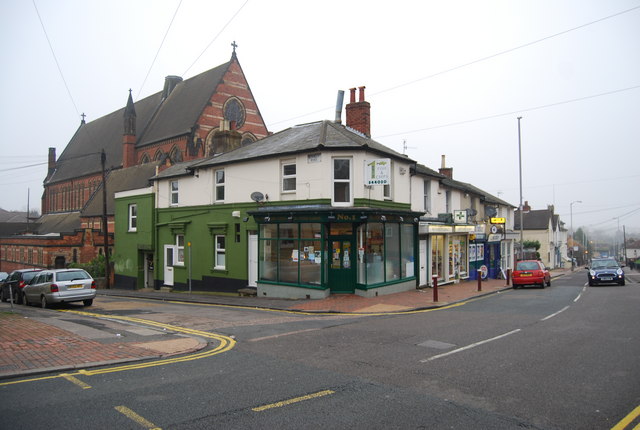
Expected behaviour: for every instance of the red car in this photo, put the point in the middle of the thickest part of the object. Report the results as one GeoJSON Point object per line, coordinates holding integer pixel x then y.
{"type": "Point", "coordinates": [530, 272]}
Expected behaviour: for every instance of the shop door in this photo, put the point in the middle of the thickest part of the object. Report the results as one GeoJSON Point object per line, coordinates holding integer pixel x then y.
{"type": "Point", "coordinates": [341, 270]}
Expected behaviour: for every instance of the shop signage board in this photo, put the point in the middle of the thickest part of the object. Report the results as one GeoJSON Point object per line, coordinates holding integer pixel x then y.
{"type": "Point", "coordinates": [377, 172]}
{"type": "Point", "coordinates": [498, 220]}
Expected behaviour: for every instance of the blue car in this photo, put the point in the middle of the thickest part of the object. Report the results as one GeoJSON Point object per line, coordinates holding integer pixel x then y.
{"type": "Point", "coordinates": [605, 271]}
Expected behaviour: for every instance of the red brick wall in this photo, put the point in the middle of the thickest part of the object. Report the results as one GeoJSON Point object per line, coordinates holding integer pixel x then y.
{"type": "Point", "coordinates": [70, 195]}
{"type": "Point", "coordinates": [20, 252]}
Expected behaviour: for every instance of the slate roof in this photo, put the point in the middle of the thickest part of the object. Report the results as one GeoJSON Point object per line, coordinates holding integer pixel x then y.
{"type": "Point", "coordinates": [118, 180]}
{"type": "Point", "coordinates": [67, 222]}
{"type": "Point", "coordinates": [315, 136]}
{"type": "Point", "coordinates": [533, 220]}
{"type": "Point", "coordinates": [157, 120]}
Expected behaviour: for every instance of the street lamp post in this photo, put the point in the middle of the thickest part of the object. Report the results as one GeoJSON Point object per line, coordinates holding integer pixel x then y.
{"type": "Point", "coordinates": [520, 208]}
{"type": "Point", "coordinates": [572, 238]}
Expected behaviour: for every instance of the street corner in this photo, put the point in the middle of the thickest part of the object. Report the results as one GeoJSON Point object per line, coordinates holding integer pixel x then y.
{"type": "Point", "coordinates": [170, 347]}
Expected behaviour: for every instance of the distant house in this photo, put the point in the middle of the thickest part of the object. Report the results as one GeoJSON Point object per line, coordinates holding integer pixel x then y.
{"type": "Point", "coordinates": [545, 226]}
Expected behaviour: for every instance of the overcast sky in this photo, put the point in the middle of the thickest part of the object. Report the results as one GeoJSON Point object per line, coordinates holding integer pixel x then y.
{"type": "Point", "coordinates": [447, 77]}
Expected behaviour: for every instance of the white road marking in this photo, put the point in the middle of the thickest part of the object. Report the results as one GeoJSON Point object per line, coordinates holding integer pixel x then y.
{"type": "Point", "coordinates": [473, 345]}
{"type": "Point", "coordinates": [580, 295]}
{"type": "Point", "coordinates": [554, 314]}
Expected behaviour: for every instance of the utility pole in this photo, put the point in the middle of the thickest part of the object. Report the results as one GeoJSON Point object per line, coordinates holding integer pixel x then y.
{"type": "Point", "coordinates": [105, 227]}
{"type": "Point", "coordinates": [624, 244]}
{"type": "Point", "coordinates": [520, 208]}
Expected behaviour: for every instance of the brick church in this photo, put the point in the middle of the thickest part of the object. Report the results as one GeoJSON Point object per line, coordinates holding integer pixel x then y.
{"type": "Point", "coordinates": [189, 119]}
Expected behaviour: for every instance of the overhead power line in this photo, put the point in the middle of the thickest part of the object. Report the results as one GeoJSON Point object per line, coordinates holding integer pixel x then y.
{"type": "Point", "coordinates": [479, 60]}
{"type": "Point", "coordinates": [215, 37]}
{"type": "Point", "coordinates": [159, 48]}
{"type": "Point", "coordinates": [56, 59]}
{"type": "Point", "coordinates": [513, 112]}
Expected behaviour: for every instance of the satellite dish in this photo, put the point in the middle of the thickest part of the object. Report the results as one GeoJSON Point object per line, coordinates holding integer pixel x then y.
{"type": "Point", "coordinates": [257, 196]}
{"type": "Point", "coordinates": [472, 212]}
{"type": "Point", "coordinates": [490, 211]}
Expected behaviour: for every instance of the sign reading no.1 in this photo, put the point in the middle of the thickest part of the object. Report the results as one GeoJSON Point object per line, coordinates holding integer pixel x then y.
{"type": "Point", "coordinates": [377, 172]}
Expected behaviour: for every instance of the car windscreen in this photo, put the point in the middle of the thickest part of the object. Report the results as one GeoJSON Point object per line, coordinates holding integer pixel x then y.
{"type": "Point", "coordinates": [527, 265]}
{"type": "Point", "coordinates": [72, 275]}
{"type": "Point", "coordinates": [27, 276]}
{"type": "Point", "coordinates": [604, 264]}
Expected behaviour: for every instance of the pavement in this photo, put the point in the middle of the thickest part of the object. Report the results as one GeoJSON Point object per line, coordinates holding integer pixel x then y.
{"type": "Point", "coordinates": [36, 341]}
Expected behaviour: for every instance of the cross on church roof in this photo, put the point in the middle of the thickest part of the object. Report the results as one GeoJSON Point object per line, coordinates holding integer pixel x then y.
{"type": "Point", "coordinates": [83, 116]}
{"type": "Point", "coordinates": [235, 45]}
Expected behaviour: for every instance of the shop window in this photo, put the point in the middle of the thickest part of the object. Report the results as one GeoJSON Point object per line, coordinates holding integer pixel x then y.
{"type": "Point", "coordinates": [406, 250]}
{"type": "Point", "coordinates": [342, 182]}
{"type": "Point", "coordinates": [133, 217]}
{"type": "Point", "coordinates": [219, 186]}
{"type": "Point", "coordinates": [437, 256]}
{"type": "Point", "coordinates": [392, 248]}
{"type": "Point", "coordinates": [220, 253]}
{"type": "Point", "coordinates": [288, 177]}
{"type": "Point", "coordinates": [237, 233]}
{"type": "Point", "coordinates": [291, 253]}
{"type": "Point", "coordinates": [173, 189]}
{"type": "Point", "coordinates": [447, 199]}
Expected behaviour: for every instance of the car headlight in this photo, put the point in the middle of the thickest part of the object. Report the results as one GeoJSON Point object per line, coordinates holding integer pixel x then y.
{"type": "Point", "coordinates": [619, 272]}
{"type": "Point", "coordinates": [592, 272]}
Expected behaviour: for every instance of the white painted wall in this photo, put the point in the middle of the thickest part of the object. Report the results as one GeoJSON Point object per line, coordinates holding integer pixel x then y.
{"type": "Point", "coordinates": [313, 180]}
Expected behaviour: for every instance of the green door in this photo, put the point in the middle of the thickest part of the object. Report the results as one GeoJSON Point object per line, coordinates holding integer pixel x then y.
{"type": "Point", "coordinates": [341, 270]}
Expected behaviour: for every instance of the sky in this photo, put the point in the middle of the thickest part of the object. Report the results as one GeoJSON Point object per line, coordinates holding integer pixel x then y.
{"type": "Point", "coordinates": [443, 78]}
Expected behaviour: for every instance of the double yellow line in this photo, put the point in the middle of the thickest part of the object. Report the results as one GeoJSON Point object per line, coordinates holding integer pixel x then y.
{"type": "Point", "coordinates": [225, 343]}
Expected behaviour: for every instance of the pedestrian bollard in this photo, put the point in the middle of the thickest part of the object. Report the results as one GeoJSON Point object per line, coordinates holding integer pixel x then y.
{"type": "Point", "coordinates": [479, 280]}
{"type": "Point", "coordinates": [435, 288]}
{"type": "Point", "coordinates": [508, 277]}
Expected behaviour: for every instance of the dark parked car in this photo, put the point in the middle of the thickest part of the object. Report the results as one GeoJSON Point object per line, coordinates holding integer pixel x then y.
{"type": "Point", "coordinates": [60, 286]}
{"type": "Point", "coordinates": [605, 271]}
{"type": "Point", "coordinates": [530, 272]}
{"type": "Point", "coordinates": [16, 282]}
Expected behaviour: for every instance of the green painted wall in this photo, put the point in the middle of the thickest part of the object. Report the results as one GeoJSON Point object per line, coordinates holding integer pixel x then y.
{"type": "Point", "coordinates": [130, 246]}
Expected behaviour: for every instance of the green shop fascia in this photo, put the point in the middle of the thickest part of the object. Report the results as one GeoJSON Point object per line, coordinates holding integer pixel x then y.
{"type": "Point", "coordinates": [314, 251]}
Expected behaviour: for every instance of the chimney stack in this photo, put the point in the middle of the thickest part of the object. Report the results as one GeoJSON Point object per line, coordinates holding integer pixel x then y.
{"type": "Point", "coordinates": [446, 171]}
{"type": "Point", "coordinates": [359, 113]}
{"type": "Point", "coordinates": [526, 207]}
{"type": "Point", "coordinates": [170, 83]}
{"type": "Point", "coordinates": [339, 103]}
{"type": "Point", "coordinates": [52, 162]}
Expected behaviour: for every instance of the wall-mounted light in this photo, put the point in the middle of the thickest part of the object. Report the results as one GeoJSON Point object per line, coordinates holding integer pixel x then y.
{"type": "Point", "coordinates": [383, 218]}
{"type": "Point", "coordinates": [403, 170]}
{"type": "Point", "coordinates": [331, 217]}
{"type": "Point", "coordinates": [267, 219]}
{"type": "Point", "coordinates": [235, 214]}
{"type": "Point", "coordinates": [290, 217]}
{"type": "Point", "coordinates": [363, 217]}
{"type": "Point", "coordinates": [401, 219]}
{"type": "Point", "coordinates": [245, 219]}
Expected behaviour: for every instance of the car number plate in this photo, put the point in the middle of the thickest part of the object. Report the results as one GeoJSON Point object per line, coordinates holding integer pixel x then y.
{"type": "Point", "coordinates": [526, 274]}
{"type": "Point", "coordinates": [75, 286]}
{"type": "Point", "coordinates": [606, 278]}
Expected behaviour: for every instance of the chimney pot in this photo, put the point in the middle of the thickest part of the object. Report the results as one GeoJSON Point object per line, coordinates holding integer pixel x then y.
{"type": "Point", "coordinates": [361, 93]}
{"type": "Point", "coordinates": [352, 97]}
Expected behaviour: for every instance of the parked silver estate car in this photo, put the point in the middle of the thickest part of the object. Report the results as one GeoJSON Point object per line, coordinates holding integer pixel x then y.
{"type": "Point", "coordinates": [60, 286]}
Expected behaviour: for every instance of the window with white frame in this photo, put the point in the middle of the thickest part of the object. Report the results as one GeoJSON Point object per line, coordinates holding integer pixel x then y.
{"type": "Point", "coordinates": [288, 176]}
{"type": "Point", "coordinates": [220, 253]}
{"type": "Point", "coordinates": [386, 189]}
{"type": "Point", "coordinates": [133, 217]}
{"type": "Point", "coordinates": [427, 196]}
{"type": "Point", "coordinates": [173, 189]}
{"type": "Point", "coordinates": [447, 200]}
{"type": "Point", "coordinates": [219, 186]}
{"type": "Point", "coordinates": [342, 181]}
{"type": "Point", "coordinates": [179, 250]}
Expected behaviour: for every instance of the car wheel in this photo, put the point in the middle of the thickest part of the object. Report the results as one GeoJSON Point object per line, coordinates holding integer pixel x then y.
{"type": "Point", "coordinates": [88, 302]}
{"type": "Point", "coordinates": [25, 301]}
{"type": "Point", "coordinates": [2, 296]}
{"type": "Point", "coordinates": [622, 283]}
{"type": "Point", "coordinates": [18, 298]}
{"type": "Point", "coordinates": [549, 283]}
{"type": "Point", "coordinates": [590, 284]}
{"type": "Point", "coordinates": [542, 285]}
{"type": "Point", "coordinates": [43, 302]}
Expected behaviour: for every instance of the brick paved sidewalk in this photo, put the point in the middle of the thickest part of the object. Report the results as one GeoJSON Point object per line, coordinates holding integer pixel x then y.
{"type": "Point", "coordinates": [27, 345]}
{"type": "Point", "coordinates": [404, 301]}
